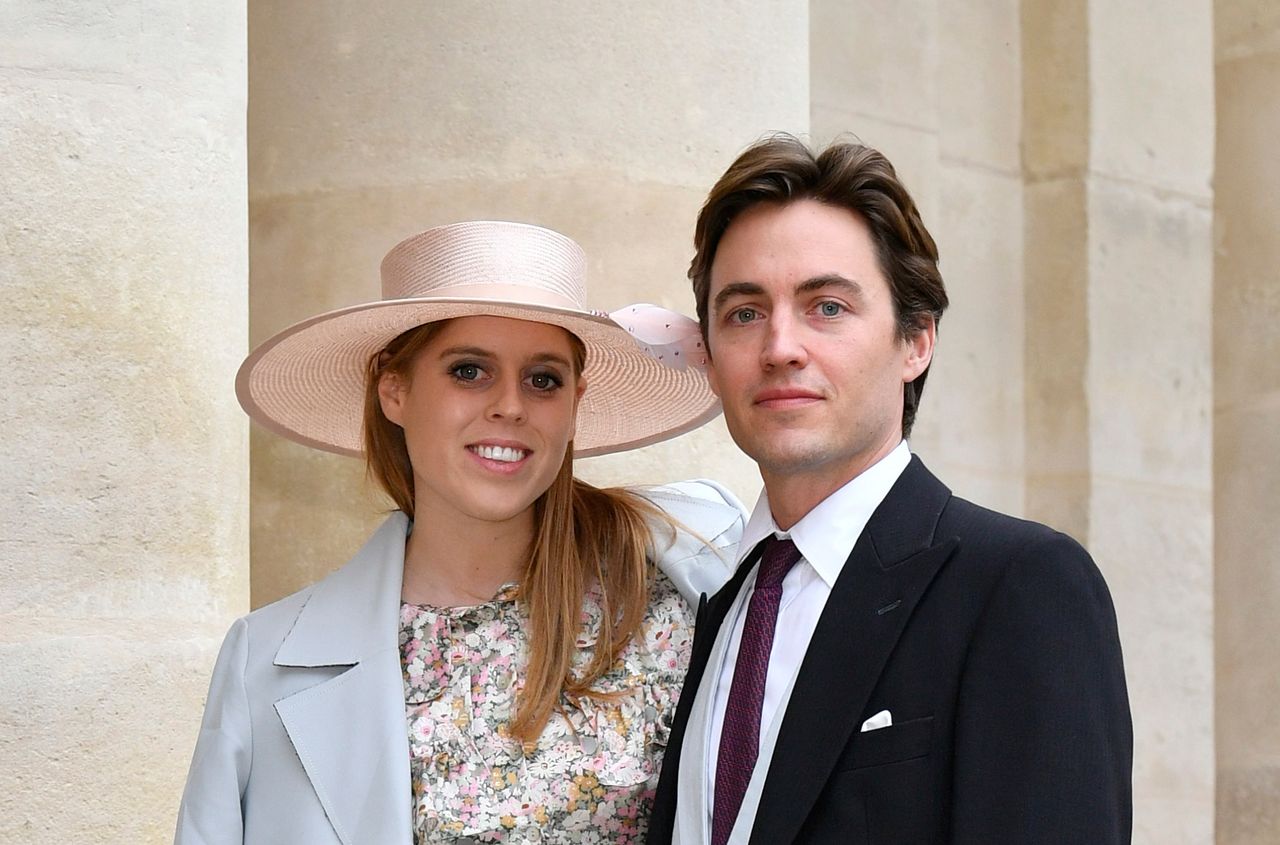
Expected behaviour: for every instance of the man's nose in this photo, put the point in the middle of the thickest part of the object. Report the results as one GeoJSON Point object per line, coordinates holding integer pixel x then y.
{"type": "Point", "coordinates": [784, 343]}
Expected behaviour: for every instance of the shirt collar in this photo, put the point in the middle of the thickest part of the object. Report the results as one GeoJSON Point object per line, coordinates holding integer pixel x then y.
{"type": "Point", "coordinates": [828, 532]}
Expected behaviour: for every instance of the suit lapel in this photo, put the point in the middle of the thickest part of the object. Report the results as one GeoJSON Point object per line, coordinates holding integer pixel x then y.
{"type": "Point", "coordinates": [349, 729]}
{"type": "Point", "coordinates": [887, 573]}
{"type": "Point", "coordinates": [710, 617]}
{"type": "Point", "coordinates": [717, 609]}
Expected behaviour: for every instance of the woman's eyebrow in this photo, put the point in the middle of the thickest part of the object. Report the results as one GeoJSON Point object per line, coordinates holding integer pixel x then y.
{"type": "Point", "coordinates": [550, 358]}
{"type": "Point", "coordinates": [474, 351]}
{"type": "Point", "coordinates": [481, 352]}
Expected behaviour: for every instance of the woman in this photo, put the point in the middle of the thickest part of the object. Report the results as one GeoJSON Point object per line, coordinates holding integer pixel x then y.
{"type": "Point", "coordinates": [498, 663]}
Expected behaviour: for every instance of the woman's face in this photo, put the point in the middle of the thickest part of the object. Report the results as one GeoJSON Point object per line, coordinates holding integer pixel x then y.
{"type": "Point", "coordinates": [488, 411]}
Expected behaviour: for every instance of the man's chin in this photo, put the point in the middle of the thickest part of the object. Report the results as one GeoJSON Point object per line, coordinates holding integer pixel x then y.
{"type": "Point", "coordinates": [783, 460]}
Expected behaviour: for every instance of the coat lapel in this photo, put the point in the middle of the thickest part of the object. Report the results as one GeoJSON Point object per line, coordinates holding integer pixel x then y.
{"type": "Point", "coordinates": [883, 579]}
{"type": "Point", "coordinates": [717, 608]}
{"type": "Point", "coordinates": [710, 617]}
{"type": "Point", "coordinates": [349, 730]}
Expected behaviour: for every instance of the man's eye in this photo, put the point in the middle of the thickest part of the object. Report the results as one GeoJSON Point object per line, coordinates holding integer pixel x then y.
{"type": "Point", "coordinates": [830, 309]}
{"type": "Point", "coordinates": [745, 315]}
{"type": "Point", "coordinates": [466, 372]}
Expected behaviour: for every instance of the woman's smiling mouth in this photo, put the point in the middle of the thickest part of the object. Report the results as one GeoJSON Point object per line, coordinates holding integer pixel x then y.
{"type": "Point", "coordinates": [502, 454]}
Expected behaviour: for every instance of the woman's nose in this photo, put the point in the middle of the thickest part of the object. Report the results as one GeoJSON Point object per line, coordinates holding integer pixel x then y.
{"type": "Point", "coordinates": [508, 401]}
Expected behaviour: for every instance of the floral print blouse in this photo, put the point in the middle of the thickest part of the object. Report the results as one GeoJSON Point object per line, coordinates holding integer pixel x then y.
{"type": "Point", "coordinates": [592, 774]}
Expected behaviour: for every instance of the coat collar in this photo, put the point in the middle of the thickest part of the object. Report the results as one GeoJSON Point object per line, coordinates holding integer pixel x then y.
{"type": "Point", "coordinates": [888, 571]}
{"type": "Point", "coordinates": [711, 614]}
{"type": "Point", "coordinates": [349, 728]}
{"type": "Point", "coordinates": [355, 611]}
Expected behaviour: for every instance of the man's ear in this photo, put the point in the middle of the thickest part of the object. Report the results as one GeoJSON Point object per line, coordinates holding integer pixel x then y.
{"type": "Point", "coordinates": [713, 379]}
{"type": "Point", "coordinates": [919, 349]}
{"type": "Point", "coordinates": [392, 389]}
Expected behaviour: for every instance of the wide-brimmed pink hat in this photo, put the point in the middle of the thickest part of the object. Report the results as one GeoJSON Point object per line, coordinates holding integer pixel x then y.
{"type": "Point", "coordinates": [645, 367]}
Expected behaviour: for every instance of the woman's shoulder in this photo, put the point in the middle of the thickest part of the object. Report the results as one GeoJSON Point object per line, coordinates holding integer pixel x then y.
{"type": "Point", "coordinates": [370, 579]}
{"type": "Point", "coordinates": [278, 616]}
{"type": "Point", "coordinates": [698, 547]}
{"type": "Point", "coordinates": [703, 505]}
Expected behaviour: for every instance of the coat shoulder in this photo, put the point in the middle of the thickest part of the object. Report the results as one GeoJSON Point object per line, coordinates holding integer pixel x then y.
{"type": "Point", "coordinates": [973, 523]}
{"type": "Point", "coordinates": [259, 633]}
{"type": "Point", "coordinates": [1014, 546]}
{"type": "Point", "coordinates": [272, 622]}
{"type": "Point", "coordinates": [697, 544]}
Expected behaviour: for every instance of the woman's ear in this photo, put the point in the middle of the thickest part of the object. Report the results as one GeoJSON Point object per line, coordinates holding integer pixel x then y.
{"type": "Point", "coordinates": [577, 403]}
{"type": "Point", "coordinates": [392, 389]}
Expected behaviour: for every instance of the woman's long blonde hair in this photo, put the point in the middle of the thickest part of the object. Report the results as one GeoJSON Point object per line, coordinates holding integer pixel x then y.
{"type": "Point", "coordinates": [582, 535]}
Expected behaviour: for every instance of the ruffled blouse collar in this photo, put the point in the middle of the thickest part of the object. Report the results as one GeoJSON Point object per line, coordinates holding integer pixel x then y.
{"type": "Point", "coordinates": [429, 652]}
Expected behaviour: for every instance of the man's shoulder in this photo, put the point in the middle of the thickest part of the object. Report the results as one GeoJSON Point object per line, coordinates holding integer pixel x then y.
{"type": "Point", "coordinates": [945, 516]}
{"type": "Point", "coordinates": [976, 523]}
{"type": "Point", "coordinates": [1011, 547]}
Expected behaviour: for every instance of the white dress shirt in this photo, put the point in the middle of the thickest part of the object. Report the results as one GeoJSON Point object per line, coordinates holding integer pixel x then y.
{"type": "Point", "coordinates": [825, 536]}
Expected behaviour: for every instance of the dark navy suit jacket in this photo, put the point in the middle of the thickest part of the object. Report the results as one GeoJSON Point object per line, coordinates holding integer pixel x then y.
{"type": "Point", "coordinates": [993, 643]}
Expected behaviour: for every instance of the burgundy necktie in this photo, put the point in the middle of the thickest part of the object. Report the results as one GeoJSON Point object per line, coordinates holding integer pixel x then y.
{"type": "Point", "coordinates": [740, 733]}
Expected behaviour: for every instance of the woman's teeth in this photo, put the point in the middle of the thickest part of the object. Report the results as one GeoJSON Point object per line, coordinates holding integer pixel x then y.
{"type": "Point", "coordinates": [499, 453]}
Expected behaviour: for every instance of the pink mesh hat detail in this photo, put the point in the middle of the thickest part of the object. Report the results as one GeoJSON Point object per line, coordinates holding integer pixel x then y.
{"type": "Point", "coordinates": [645, 368]}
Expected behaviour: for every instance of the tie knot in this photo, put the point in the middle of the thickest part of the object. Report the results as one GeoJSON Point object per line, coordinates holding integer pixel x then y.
{"type": "Point", "coordinates": [775, 562]}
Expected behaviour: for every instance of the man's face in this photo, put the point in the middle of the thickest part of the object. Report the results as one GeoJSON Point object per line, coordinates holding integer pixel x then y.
{"type": "Point", "coordinates": [805, 353]}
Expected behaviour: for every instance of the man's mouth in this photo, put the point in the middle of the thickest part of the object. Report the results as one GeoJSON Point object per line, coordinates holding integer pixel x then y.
{"type": "Point", "coordinates": [786, 397]}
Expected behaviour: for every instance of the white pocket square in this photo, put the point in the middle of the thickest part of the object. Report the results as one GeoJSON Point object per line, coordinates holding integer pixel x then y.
{"type": "Point", "coordinates": [883, 719]}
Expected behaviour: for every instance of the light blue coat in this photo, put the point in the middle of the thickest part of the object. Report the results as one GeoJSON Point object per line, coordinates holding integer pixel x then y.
{"type": "Point", "coordinates": [304, 736]}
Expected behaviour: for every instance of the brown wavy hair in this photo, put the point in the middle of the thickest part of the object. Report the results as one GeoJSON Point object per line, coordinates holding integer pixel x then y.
{"type": "Point", "coordinates": [583, 535]}
{"type": "Point", "coordinates": [780, 170]}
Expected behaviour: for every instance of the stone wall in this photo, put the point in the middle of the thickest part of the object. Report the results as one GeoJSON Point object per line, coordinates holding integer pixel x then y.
{"type": "Point", "coordinates": [1119, 286]}
{"type": "Point", "coordinates": [1100, 368]}
{"type": "Point", "coordinates": [937, 87]}
{"type": "Point", "coordinates": [607, 123]}
{"type": "Point", "coordinates": [1246, 418]}
{"type": "Point", "coordinates": [124, 526]}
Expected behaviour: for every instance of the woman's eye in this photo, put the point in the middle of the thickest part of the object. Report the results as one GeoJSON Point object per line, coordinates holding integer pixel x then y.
{"type": "Point", "coordinates": [466, 372]}
{"type": "Point", "coordinates": [544, 381]}
{"type": "Point", "coordinates": [830, 309]}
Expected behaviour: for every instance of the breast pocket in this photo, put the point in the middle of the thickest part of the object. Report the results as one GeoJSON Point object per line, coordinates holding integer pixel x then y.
{"type": "Point", "coordinates": [894, 744]}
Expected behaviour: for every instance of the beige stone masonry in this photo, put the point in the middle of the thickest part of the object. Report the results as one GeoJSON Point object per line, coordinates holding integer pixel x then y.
{"type": "Point", "coordinates": [607, 123]}
{"type": "Point", "coordinates": [1119, 343]}
{"type": "Point", "coordinates": [937, 88]}
{"type": "Point", "coordinates": [1102, 180]}
{"type": "Point", "coordinates": [124, 533]}
{"type": "Point", "coordinates": [1246, 417]}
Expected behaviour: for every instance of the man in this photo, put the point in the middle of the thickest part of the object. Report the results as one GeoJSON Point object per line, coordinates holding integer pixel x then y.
{"type": "Point", "coordinates": [890, 663]}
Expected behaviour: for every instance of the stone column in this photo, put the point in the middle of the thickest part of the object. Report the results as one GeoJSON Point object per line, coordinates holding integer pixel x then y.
{"type": "Point", "coordinates": [124, 544]}
{"type": "Point", "coordinates": [606, 122]}
{"type": "Point", "coordinates": [937, 88]}
{"type": "Point", "coordinates": [1247, 421]}
{"type": "Point", "coordinates": [1118, 129]}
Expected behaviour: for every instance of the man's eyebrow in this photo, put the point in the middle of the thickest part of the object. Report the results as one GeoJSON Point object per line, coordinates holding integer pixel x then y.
{"type": "Point", "coordinates": [729, 291]}
{"type": "Point", "coordinates": [481, 352]}
{"type": "Point", "coordinates": [817, 283]}
{"type": "Point", "coordinates": [832, 280]}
